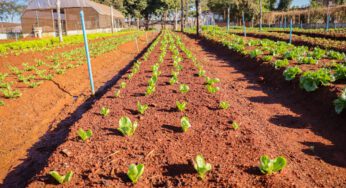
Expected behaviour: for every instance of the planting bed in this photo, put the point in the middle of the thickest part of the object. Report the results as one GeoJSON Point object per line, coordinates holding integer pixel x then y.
{"type": "Point", "coordinates": [273, 120]}
{"type": "Point", "coordinates": [26, 119]}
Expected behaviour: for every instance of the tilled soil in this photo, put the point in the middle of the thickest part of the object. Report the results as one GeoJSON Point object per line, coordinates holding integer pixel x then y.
{"type": "Point", "coordinates": [272, 121]}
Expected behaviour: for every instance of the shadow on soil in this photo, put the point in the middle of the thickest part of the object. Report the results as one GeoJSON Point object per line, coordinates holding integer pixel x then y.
{"type": "Point", "coordinates": [315, 109]}
{"type": "Point", "coordinates": [39, 153]}
{"type": "Point", "coordinates": [178, 169]}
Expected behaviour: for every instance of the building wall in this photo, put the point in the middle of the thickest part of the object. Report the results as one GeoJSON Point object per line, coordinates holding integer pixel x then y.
{"type": "Point", "coordinates": [44, 20]}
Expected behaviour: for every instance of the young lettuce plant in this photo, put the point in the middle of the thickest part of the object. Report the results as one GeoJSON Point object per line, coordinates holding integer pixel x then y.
{"type": "Point", "coordinates": [201, 72]}
{"type": "Point", "coordinates": [183, 88]}
{"type": "Point", "coordinates": [135, 172]}
{"type": "Point", "coordinates": [235, 125]}
{"type": "Point", "coordinates": [291, 72]}
{"type": "Point", "coordinates": [201, 166]}
{"type": "Point", "coordinates": [340, 102]}
{"type": "Point", "coordinates": [61, 179]}
{"type": "Point", "coordinates": [2, 103]}
{"type": "Point", "coordinates": [269, 166]}
{"type": "Point", "coordinates": [185, 123]}
{"type": "Point", "coordinates": [281, 63]}
{"type": "Point", "coordinates": [150, 90]}
{"type": "Point", "coordinates": [211, 81]}
{"type": "Point", "coordinates": [142, 108]}
{"type": "Point", "coordinates": [126, 127]}
{"type": "Point", "coordinates": [181, 105]}
{"type": "Point", "coordinates": [104, 111]}
{"type": "Point", "coordinates": [117, 93]}
{"type": "Point", "coordinates": [123, 85]}
{"type": "Point", "coordinates": [84, 135]}
{"type": "Point", "coordinates": [212, 89]}
{"type": "Point", "coordinates": [224, 105]}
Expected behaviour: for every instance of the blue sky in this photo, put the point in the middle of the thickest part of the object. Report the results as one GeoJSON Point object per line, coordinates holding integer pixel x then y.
{"type": "Point", "coordinates": [300, 2]}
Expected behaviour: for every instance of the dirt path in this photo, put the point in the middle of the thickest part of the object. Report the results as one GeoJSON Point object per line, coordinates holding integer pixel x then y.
{"type": "Point", "coordinates": [25, 120]}
{"type": "Point", "coordinates": [273, 120]}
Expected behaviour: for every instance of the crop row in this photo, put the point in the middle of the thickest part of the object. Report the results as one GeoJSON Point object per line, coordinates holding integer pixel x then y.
{"type": "Point", "coordinates": [314, 67]}
{"type": "Point", "coordinates": [19, 47]}
{"type": "Point", "coordinates": [35, 73]}
{"type": "Point", "coordinates": [173, 44]}
{"type": "Point", "coordinates": [338, 45]}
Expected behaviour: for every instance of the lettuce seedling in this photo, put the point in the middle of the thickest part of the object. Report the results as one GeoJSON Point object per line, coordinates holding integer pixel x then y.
{"type": "Point", "coordinates": [123, 85]}
{"type": "Point", "coordinates": [340, 102]}
{"type": "Point", "coordinates": [126, 127]}
{"type": "Point", "coordinates": [104, 111]}
{"type": "Point", "coordinates": [211, 81]}
{"type": "Point", "coordinates": [2, 103]}
{"type": "Point", "coordinates": [281, 63]}
{"type": "Point", "coordinates": [269, 166]}
{"type": "Point", "coordinates": [291, 72]}
{"type": "Point", "coordinates": [255, 53]}
{"type": "Point", "coordinates": [212, 89]}
{"type": "Point", "coordinates": [267, 58]}
{"type": "Point", "coordinates": [201, 72]}
{"type": "Point", "coordinates": [142, 108]}
{"type": "Point", "coordinates": [150, 90]}
{"type": "Point", "coordinates": [173, 80]}
{"type": "Point", "coordinates": [117, 93]}
{"type": "Point", "coordinates": [235, 125]}
{"type": "Point", "coordinates": [224, 105]}
{"type": "Point", "coordinates": [181, 105]}
{"type": "Point", "coordinates": [61, 179]}
{"type": "Point", "coordinates": [183, 88]}
{"type": "Point", "coordinates": [311, 80]}
{"type": "Point", "coordinates": [9, 93]}
{"type": "Point", "coordinates": [135, 172]}
{"type": "Point", "coordinates": [185, 124]}
{"type": "Point", "coordinates": [84, 135]}
{"type": "Point", "coordinates": [201, 166]}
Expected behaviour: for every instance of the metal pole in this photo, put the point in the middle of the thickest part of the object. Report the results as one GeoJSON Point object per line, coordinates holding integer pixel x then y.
{"type": "Point", "coordinates": [228, 19]}
{"type": "Point", "coordinates": [285, 23]}
{"type": "Point", "coordinates": [327, 25]}
{"type": "Point", "coordinates": [59, 20]}
{"type": "Point", "coordinates": [291, 28]}
{"type": "Point", "coordinates": [260, 15]}
{"type": "Point", "coordinates": [112, 19]}
{"type": "Point", "coordinates": [244, 24]}
{"type": "Point", "coordinates": [87, 53]}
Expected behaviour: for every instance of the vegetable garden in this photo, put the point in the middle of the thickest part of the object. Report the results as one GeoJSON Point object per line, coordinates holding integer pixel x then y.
{"type": "Point", "coordinates": [175, 109]}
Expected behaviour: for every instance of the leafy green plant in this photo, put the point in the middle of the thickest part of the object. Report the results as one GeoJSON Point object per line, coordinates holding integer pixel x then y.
{"type": "Point", "coordinates": [201, 166]}
{"type": "Point", "coordinates": [269, 166]}
{"type": "Point", "coordinates": [267, 58]}
{"type": "Point", "coordinates": [173, 80]}
{"type": "Point", "coordinates": [224, 105]}
{"type": "Point", "coordinates": [340, 102]}
{"type": "Point", "coordinates": [183, 88]}
{"type": "Point", "coordinates": [150, 90]}
{"type": "Point", "coordinates": [185, 123]}
{"type": "Point", "coordinates": [10, 93]}
{"type": "Point", "coordinates": [307, 60]}
{"type": "Point", "coordinates": [126, 127]}
{"type": "Point", "coordinates": [318, 53]}
{"type": "Point", "coordinates": [201, 72]}
{"type": "Point", "coordinates": [61, 179]}
{"type": "Point", "coordinates": [336, 55]}
{"type": "Point", "coordinates": [340, 71]}
{"type": "Point", "coordinates": [281, 63]}
{"type": "Point", "coordinates": [104, 111]}
{"type": "Point", "coordinates": [142, 108]}
{"type": "Point", "coordinates": [181, 105]}
{"type": "Point", "coordinates": [211, 81]}
{"type": "Point", "coordinates": [311, 80]}
{"type": "Point", "coordinates": [84, 135]}
{"type": "Point", "coordinates": [291, 72]}
{"type": "Point", "coordinates": [123, 85]}
{"type": "Point", "coordinates": [235, 125]}
{"type": "Point", "coordinates": [255, 53]}
{"type": "Point", "coordinates": [3, 76]}
{"type": "Point", "coordinates": [117, 93]}
{"type": "Point", "coordinates": [2, 103]}
{"type": "Point", "coordinates": [212, 89]}
{"type": "Point", "coordinates": [135, 172]}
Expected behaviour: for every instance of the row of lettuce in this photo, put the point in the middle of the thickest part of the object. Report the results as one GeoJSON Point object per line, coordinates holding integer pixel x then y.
{"type": "Point", "coordinates": [33, 45]}
{"type": "Point", "coordinates": [315, 67]}
{"type": "Point", "coordinates": [34, 73]}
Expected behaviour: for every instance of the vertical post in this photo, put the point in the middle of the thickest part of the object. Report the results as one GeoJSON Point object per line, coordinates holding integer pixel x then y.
{"type": "Point", "coordinates": [260, 15]}
{"type": "Point", "coordinates": [244, 24]}
{"type": "Point", "coordinates": [301, 24]}
{"type": "Point", "coordinates": [182, 16]}
{"type": "Point", "coordinates": [291, 28]}
{"type": "Point", "coordinates": [87, 53]}
{"type": "Point", "coordinates": [327, 25]}
{"type": "Point", "coordinates": [16, 36]}
{"type": "Point", "coordinates": [285, 22]}
{"type": "Point", "coordinates": [112, 19]}
{"type": "Point", "coordinates": [199, 14]}
{"type": "Point", "coordinates": [228, 17]}
{"type": "Point", "coordinates": [59, 20]}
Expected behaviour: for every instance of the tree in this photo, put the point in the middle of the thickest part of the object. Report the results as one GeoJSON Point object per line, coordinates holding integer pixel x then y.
{"type": "Point", "coordinates": [9, 9]}
{"type": "Point", "coordinates": [134, 8]}
{"type": "Point", "coordinates": [284, 4]}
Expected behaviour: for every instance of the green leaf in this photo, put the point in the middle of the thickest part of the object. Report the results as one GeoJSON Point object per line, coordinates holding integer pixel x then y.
{"type": "Point", "coordinates": [184, 88]}
{"type": "Point", "coordinates": [142, 108]}
{"type": "Point", "coordinates": [84, 135]}
{"type": "Point", "coordinates": [104, 111]}
{"type": "Point", "coordinates": [61, 179]}
{"type": "Point", "coordinates": [224, 105]}
{"type": "Point", "coordinates": [201, 166]}
{"type": "Point", "coordinates": [181, 105]}
{"type": "Point", "coordinates": [135, 172]}
{"type": "Point", "coordinates": [185, 124]}
{"type": "Point", "coordinates": [126, 127]}
{"type": "Point", "coordinates": [269, 166]}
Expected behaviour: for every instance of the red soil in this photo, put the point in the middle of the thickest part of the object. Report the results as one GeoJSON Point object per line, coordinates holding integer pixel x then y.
{"type": "Point", "coordinates": [24, 121]}
{"type": "Point", "coordinates": [274, 120]}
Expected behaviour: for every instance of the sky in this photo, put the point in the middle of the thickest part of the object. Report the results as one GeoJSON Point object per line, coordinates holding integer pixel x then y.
{"type": "Point", "coordinates": [300, 2]}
